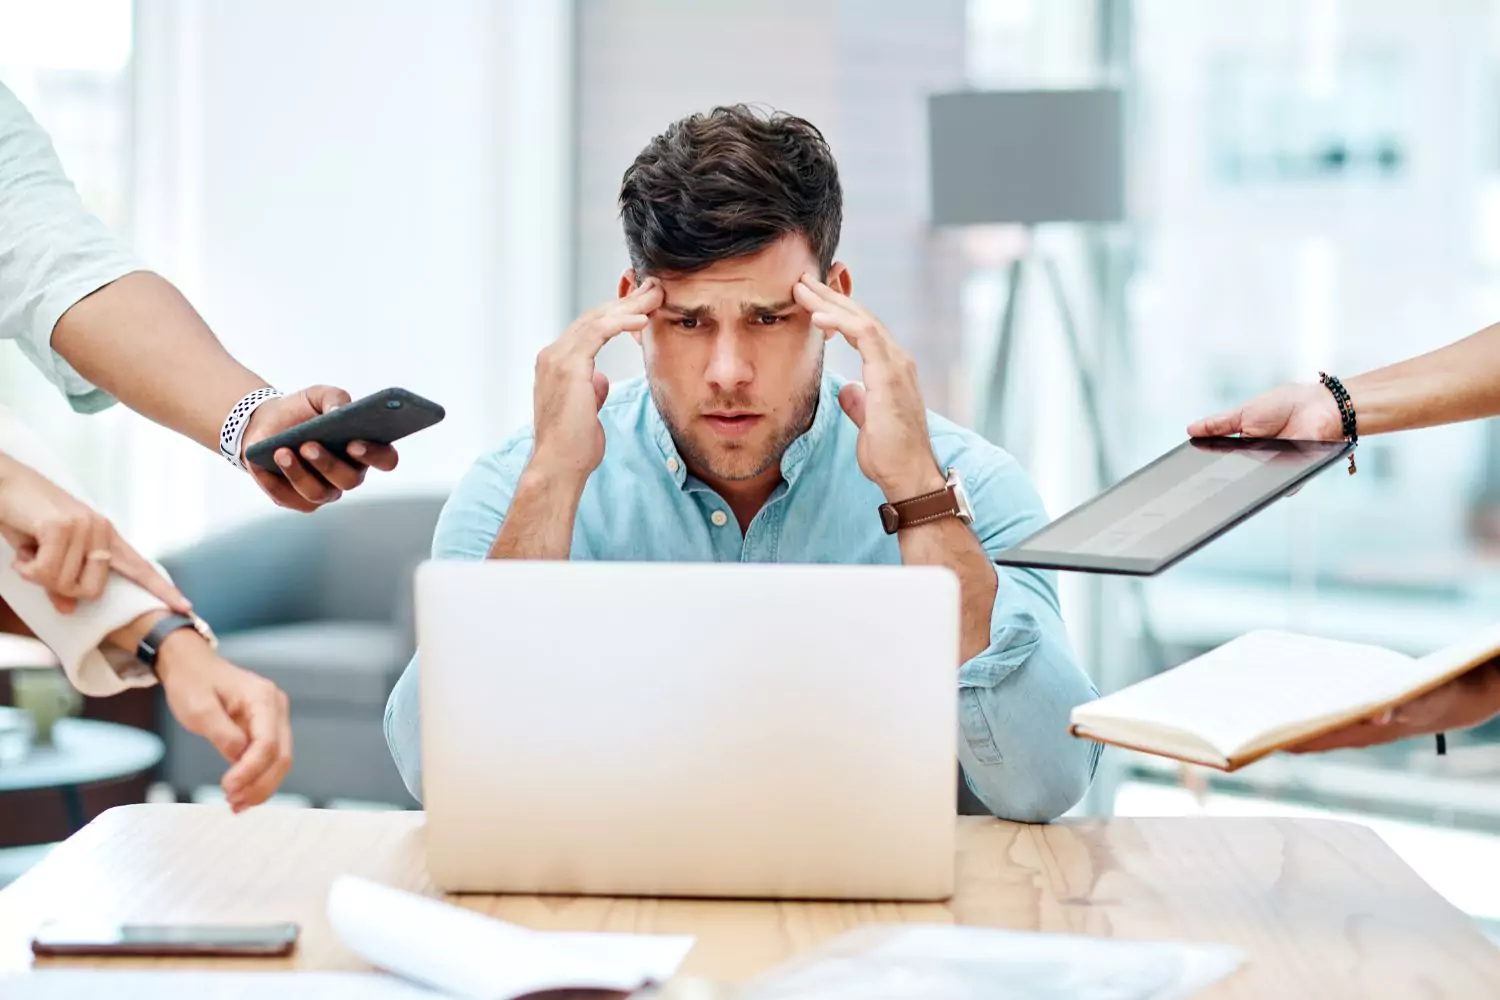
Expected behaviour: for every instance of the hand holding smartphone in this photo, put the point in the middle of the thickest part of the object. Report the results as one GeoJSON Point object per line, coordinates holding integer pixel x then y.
{"type": "Point", "coordinates": [382, 417]}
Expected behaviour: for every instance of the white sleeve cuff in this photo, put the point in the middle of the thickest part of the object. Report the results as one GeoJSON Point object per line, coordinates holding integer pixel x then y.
{"type": "Point", "coordinates": [79, 639]}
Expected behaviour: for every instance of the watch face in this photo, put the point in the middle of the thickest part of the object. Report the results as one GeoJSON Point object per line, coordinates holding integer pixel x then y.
{"type": "Point", "coordinates": [890, 520]}
{"type": "Point", "coordinates": [960, 496]}
{"type": "Point", "coordinates": [202, 628]}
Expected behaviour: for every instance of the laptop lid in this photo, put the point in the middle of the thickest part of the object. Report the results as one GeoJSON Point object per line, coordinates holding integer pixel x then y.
{"type": "Point", "coordinates": [689, 729]}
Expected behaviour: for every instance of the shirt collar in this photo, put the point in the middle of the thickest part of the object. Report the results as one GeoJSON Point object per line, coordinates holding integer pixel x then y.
{"type": "Point", "coordinates": [793, 460]}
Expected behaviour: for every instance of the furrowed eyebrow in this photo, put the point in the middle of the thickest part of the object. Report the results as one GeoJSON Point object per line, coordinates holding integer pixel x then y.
{"type": "Point", "coordinates": [765, 308]}
{"type": "Point", "coordinates": [687, 312]}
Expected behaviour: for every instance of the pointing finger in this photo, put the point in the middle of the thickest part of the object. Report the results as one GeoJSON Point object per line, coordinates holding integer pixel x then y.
{"type": "Point", "coordinates": [133, 566]}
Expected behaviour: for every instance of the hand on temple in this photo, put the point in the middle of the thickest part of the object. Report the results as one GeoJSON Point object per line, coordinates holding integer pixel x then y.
{"type": "Point", "coordinates": [570, 390]}
{"type": "Point", "coordinates": [894, 448]}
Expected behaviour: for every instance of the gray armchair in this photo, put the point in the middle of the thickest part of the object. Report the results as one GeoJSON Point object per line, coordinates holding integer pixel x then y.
{"type": "Point", "coordinates": [320, 604]}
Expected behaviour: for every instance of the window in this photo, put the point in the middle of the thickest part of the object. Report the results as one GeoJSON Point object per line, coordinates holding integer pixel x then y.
{"type": "Point", "coordinates": [1309, 191]}
{"type": "Point", "coordinates": [69, 62]}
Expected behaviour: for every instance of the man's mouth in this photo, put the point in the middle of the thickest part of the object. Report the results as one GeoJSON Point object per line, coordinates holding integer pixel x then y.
{"type": "Point", "coordinates": [732, 423]}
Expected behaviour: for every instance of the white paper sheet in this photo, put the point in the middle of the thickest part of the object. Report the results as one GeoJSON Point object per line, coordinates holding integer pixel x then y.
{"type": "Point", "coordinates": [940, 962]}
{"type": "Point", "coordinates": [466, 954]}
{"type": "Point", "coordinates": [79, 984]}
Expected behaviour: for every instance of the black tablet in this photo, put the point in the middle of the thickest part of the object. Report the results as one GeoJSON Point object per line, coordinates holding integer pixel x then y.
{"type": "Point", "coordinates": [1174, 506]}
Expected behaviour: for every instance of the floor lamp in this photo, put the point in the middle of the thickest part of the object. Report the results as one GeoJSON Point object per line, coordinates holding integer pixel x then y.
{"type": "Point", "coordinates": [1028, 158]}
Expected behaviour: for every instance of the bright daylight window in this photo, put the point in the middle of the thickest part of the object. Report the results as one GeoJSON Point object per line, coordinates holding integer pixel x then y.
{"type": "Point", "coordinates": [1262, 162]}
{"type": "Point", "coordinates": [69, 62]}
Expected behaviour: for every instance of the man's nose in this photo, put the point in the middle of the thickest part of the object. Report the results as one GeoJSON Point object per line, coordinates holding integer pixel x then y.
{"type": "Point", "coordinates": [729, 365]}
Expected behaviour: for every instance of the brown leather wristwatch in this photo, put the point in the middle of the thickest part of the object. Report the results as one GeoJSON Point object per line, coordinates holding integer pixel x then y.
{"type": "Point", "coordinates": [950, 501]}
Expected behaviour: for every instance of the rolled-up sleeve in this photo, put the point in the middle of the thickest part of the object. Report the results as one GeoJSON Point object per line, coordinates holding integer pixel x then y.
{"type": "Point", "coordinates": [466, 529]}
{"type": "Point", "coordinates": [1015, 697]}
{"type": "Point", "coordinates": [53, 251]}
{"type": "Point", "coordinates": [77, 639]}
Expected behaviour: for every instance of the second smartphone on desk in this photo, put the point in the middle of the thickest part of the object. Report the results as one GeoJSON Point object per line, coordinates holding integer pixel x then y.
{"type": "Point", "coordinates": [66, 938]}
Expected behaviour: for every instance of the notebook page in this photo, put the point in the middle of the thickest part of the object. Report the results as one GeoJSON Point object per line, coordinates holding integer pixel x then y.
{"type": "Point", "coordinates": [1253, 685]}
{"type": "Point", "coordinates": [1469, 651]}
{"type": "Point", "coordinates": [1409, 680]}
{"type": "Point", "coordinates": [467, 954]}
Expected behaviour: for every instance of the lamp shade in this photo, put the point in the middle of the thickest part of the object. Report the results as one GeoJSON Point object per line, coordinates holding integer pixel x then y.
{"type": "Point", "coordinates": [1026, 156]}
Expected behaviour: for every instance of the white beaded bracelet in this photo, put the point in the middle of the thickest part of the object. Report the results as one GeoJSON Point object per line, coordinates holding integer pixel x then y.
{"type": "Point", "coordinates": [232, 434]}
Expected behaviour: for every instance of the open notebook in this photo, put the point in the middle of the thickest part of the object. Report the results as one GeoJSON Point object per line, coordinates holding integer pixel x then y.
{"type": "Point", "coordinates": [1267, 691]}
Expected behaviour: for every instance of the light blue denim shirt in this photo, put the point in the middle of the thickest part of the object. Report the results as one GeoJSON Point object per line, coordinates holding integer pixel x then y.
{"type": "Point", "coordinates": [642, 505]}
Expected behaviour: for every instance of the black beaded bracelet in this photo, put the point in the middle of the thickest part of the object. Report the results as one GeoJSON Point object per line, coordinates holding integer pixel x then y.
{"type": "Point", "coordinates": [1350, 424]}
{"type": "Point", "coordinates": [1346, 412]}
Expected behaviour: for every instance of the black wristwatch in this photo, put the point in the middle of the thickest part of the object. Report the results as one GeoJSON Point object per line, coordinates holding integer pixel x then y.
{"type": "Point", "coordinates": [150, 645]}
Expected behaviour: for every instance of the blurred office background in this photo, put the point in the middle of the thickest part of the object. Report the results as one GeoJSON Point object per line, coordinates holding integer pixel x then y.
{"type": "Point", "coordinates": [394, 192]}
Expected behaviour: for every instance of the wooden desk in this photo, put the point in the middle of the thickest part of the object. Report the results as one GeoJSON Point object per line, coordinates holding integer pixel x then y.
{"type": "Point", "coordinates": [1323, 909]}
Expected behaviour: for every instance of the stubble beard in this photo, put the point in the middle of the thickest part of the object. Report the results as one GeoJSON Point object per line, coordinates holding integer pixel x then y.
{"type": "Point", "coordinates": [732, 461]}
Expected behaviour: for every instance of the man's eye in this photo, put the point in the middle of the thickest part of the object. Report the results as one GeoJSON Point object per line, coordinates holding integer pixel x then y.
{"type": "Point", "coordinates": [688, 323]}
{"type": "Point", "coordinates": [770, 319]}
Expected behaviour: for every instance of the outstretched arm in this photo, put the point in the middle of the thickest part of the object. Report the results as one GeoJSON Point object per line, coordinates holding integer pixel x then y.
{"type": "Point", "coordinates": [1446, 386]}
{"type": "Point", "coordinates": [98, 324]}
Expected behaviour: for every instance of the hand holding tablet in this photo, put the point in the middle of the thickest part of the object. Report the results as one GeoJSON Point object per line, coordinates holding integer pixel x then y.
{"type": "Point", "coordinates": [1171, 508]}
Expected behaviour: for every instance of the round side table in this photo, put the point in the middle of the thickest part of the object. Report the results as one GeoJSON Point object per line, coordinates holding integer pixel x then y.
{"type": "Point", "coordinates": [83, 752]}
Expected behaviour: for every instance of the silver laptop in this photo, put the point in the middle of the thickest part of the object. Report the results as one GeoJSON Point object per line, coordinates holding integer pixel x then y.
{"type": "Point", "coordinates": [668, 729]}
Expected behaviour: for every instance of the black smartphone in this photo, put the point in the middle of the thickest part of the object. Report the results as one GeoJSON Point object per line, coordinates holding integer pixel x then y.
{"type": "Point", "coordinates": [67, 938]}
{"type": "Point", "coordinates": [380, 418]}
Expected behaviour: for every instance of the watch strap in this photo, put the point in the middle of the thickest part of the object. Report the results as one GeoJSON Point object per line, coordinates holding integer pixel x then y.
{"type": "Point", "coordinates": [232, 433]}
{"type": "Point", "coordinates": [919, 510]}
{"type": "Point", "coordinates": [150, 645]}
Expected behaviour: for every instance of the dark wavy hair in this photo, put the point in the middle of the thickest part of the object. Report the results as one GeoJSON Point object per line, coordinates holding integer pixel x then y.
{"type": "Point", "coordinates": [727, 184]}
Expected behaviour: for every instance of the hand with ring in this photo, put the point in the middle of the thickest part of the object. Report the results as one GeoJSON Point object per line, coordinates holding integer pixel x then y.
{"type": "Point", "coordinates": [65, 546]}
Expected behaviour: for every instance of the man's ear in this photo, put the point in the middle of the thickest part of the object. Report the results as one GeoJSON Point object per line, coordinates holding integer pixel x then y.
{"type": "Point", "coordinates": [628, 285]}
{"type": "Point", "coordinates": [839, 279]}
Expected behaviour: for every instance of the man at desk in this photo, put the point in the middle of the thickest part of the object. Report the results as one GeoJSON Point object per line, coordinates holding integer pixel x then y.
{"type": "Point", "coordinates": [738, 446]}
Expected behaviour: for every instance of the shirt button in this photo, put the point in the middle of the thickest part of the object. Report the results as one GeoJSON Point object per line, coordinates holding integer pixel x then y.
{"type": "Point", "coordinates": [672, 465]}
{"type": "Point", "coordinates": [719, 518]}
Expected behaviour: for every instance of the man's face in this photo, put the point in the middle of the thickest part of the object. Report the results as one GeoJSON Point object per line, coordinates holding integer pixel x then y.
{"type": "Point", "coordinates": [733, 362]}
